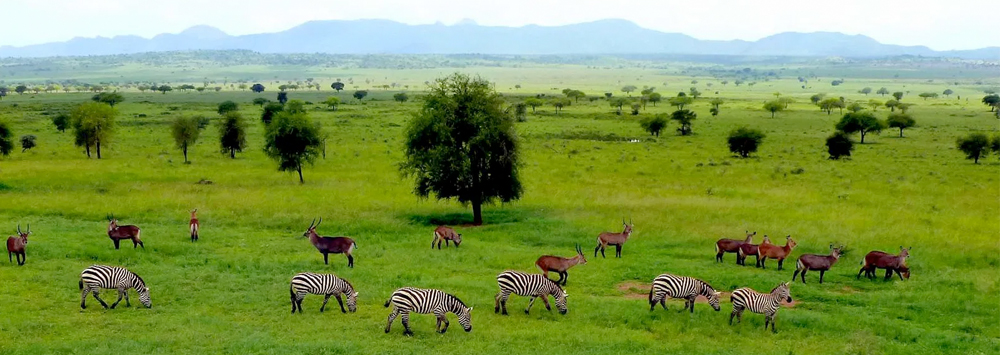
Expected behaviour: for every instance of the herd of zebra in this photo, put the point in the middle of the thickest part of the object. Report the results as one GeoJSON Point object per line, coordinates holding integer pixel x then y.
{"type": "Point", "coordinates": [408, 300]}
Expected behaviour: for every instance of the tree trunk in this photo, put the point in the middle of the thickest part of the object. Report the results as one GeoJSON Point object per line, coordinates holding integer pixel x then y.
{"type": "Point", "coordinates": [900, 133]}
{"type": "Point", "coordinates": [299, 169]}
{"type": "Point", "coordinates": [88, 151]}
{"type": "Point", "coordinates": [185, 153]}
{"type": "Point", "coordinates": [862, 137]}
{"type": "Point", "coordinates": [98, 149]}
{"type": "Point", "coordinates": [477, 213]}
{"type": "Point", "coordinates": [232, 153]}
{"type": "Point", "coordinates": [772, 114]}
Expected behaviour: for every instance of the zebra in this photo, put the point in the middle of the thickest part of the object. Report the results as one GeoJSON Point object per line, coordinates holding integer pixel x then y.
{"type": "Point", "coordinates": [425, 301]}
{"type": "Point", "coordinates": [322, 284]}
{"type": "Point", "coordinates": [672, 286]}
{"type": "Point", "coordinates": [531, 285]}
{"type": "Point", "coordinates": [761, 303]}
{"type": "Point", "coordinates": [96, 277]}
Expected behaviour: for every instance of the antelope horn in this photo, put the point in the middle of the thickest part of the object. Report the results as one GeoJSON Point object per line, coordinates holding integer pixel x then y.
{"type": "Point", "coordinates": [313, 224]}
{"type": "Point", "coordinates": [18, 228]}
{"type": "Point", "coordinates": [320, 221]}
{"type": "Point", "coordinates": [29, 228]}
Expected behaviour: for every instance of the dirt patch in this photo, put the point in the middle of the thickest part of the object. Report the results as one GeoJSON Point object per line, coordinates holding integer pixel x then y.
{"type": "Point", "coordinates": [634, 289]}
{"type": "Point", "coordinates": [794, 303]}
{"type": "Point", "coordinates": [724, 296]}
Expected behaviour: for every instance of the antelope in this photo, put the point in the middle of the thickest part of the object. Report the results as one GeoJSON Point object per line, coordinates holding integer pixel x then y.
{"type": "Point", "coordinates": [617, 239]}
{"type": "Point", "coordinates": [559, 264]}
{"type": "Point", "coordinates": [443, 233]}
{"type": "Point", "coordinates": [768, 250]}
{"type": "Point", "coordinates": [821, 263]}
{"type": "Point", "coordinates": [194, 226]}
{"type": "Point", "coordinates": [327, 245]}
{"type": "Point", "coordinates": [749, 249]}
{"type": "Point", "coordinates": [117, 233]}
{"type": "Point", "coordinates": [882, 260]}
{"type": "Point", "coordinates": [726, 245]}
{"type": "Point", "coordinates": [15, 245]}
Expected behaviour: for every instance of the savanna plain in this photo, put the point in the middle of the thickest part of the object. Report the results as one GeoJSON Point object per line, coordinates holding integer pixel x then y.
{"type": "Point", "coordinates": [584, 170]}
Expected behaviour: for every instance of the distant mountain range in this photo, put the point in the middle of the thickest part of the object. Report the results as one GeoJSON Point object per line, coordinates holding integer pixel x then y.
{"type": "Point", "coordinates": [389, 37]}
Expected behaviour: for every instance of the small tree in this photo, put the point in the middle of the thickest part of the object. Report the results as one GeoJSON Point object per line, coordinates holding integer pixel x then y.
{"type": "Point", "coordinates": [533, 102]}
{"type": "Point", "coordinates": [270, 110]}
{"type": "Point", "coordinates": [680, 101]}
{"type": "Point", "coordinates": [874, 104]}
{"type": "Point", "coordinates": [743, 141]}
{"type": "Point", "coordinates": [928, 95]}
{"type": "Point", "coordinates": [653, 124]}
{"type": "Point", "coordinates": [684, 118]}
{"type": "Point", "coordinates": [618, 103]}
{"type": "Point", "coordinates": [773, 107]}
{"type": "Point", "coordinates": [628, 89]}
{"type": "Point", "coordinates": [521, 112]}
{"type": "Point", "coordinates": [655, 97]}
{"type": "Point", "coordinates": [901, 121]}
{"type": "Point", "coordinates": [635, 109]}
{"type": "Point", "coordinates": [27, 142]}
{"type": "Point", "coordinates": [559, 103]}
{"type": "Point", "coordinates": [232, 133]}
{"type": "Point", "coordinates": [829, 104]}
{"type": "Point", "coordinates": [694, 92]}
{"type": "Point", "coordinates": [400, 97]}
{"type": "Point", "coordinates": [292, 141]}
{"type": "Point", "coordinates": [164, 88]}
{"type": "Point", "coordinates": [714, 111]}
{"type": "Point", "coordinates": [93, 124]}
{"type": "Point", "coordinates": [815, 99]}
{"type": "Point", "coordinates": [226, 107]}
{"type": "Point", "coordinates": [110, 98]}
{"type": "Point", "coordinates": [337, 86]}
{"type": "Point", "coordinates": [716, 102]}
{"type": "Point", "coordinates": [948, 92]}
{"type": "Point", "coordinates": [992, 100]}
{"type": "Point", "coordinates": [975, 146]}
{"type": "Point", "coordinates": [200, 89]}
{"type": "Point", "coordinates": [860, 122]}
{"type": "Point", "coordinates": [295, 106]}
{"type": "Point", "coordinates": [855, 107]}
{"type": "Point", "coordinates": [995, 144]}
{"type": "Point", "coordinates": [891, 104]}
{"type": "Point", "coordinates": [260, 101]}
{"type": "Point", "coordinates": [20, 89]}
{"type": "Point", "coordinates": [882, 91]}
{"type": "Point", "coordinates": [332, 102]}
{"type": "Point", "coordinates": [61, 121]}
{"type": "Point", "coordinates": [898, 95]}
{"type": "Point", "coordinates": [866, 91]}
{"type": "Point", "coordinates": [185, 132]}
{"type": "Point", "coordinates": [282, 97]}
{"type": "Point", "coordinates": [6, 139]}
{"type": "Point", "coordinates": [839, 145]}
{"type": "Point", "coordinates": [360, 94]}
{"type": "Point", "coordinates": [257, 88]}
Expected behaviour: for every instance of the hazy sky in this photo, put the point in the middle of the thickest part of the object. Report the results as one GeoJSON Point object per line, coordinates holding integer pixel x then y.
{"type": "Point", "coordinates": [939, 24]}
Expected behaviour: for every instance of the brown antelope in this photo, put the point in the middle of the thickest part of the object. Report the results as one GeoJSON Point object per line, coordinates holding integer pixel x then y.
{"type": "Point", "coordinates": [891, 263]}
{"type": "Point", "coordinates": [726, 245]}
{"type": "Point", "coordinates": [749, 249]}
{"type": "Point", "coordinates": [768, 250]}
{"type": "Point", "coordinates": [193, 225]}
{"type": "Point", "coordinates": [617, 239]}
{"type": "Point", "coordinates": [15, 245]}
{"type": "Point", "coordinates": [117, 233]}
{"type": "Point", "coordinates": [443, 233]}
{"type": "Point", "coordinates": [559, 264]}
{"type": "Point", "coordinates": [327, 245]}
{"type": "Point", "coordinates": [821, 263]}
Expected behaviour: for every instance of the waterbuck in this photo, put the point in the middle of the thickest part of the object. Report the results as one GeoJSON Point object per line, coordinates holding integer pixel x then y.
{"type": "Point", "coordinates": [768, 250]}
{"type": "Point", "coordinates": [617, 239]}
{"type": "Point", "coordinates": [15, 245]}
{"type": "Point", "coordinates": [193, 225]}
{"type": "Point", "coordinates": [443, 233]}
{"type": "Point", "coordinates": [891, 263]}
{"type": "Point", "coordinates": [327, 245]}
{"type": "Point", "coordinates": [821, 263]}
{"type": "Point", "coordinates": [117, 233]}
{"type": "Point", "coordinates": [749, 249]}
{"type": "Point", "coordinates": [559, 264]}
{"type": "Point", "coordinates": [726, 245]}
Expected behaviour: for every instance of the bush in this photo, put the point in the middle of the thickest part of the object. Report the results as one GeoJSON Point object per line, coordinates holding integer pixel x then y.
{"type": "Point", "coordinates": [227, 106]}
{"type": "Point", "coordinates": [653, 125]}
{"type": "Point", "coordinates": [27, 142]}
{"type": "Point", "coordinates": [61, 121]}
{"type": "Point", "coordinates": [743, 141]}
{"type": "Point", "coordinates": [975, 146]}
{"type": "Point", "coordinates": [839, 145]}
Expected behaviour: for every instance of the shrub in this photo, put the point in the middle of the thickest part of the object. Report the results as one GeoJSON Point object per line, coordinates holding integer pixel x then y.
{"type": "Point", "coordinates": [743, 141]}
{"type": "Point", "coordinates": [975, 146]}
{"type": "Point", "coordinates": [839, 145]}
{"type": "Point", "coordinates": [653, 125]}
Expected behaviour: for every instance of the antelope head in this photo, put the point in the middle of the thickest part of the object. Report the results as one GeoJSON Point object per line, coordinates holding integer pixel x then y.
{"type": "Point", "coordinates": [112, 222]}
{"type": "Point", "coordinates": [311, 231]}
{"type": "Point", "coordinates": [194, 213]}
{"type": "Point", "coordinates": [579, 255]}
{"type": "Point", "coordinates": [23, 235]}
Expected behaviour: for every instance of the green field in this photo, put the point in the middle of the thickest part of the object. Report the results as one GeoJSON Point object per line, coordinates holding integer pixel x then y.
{"type": "Point", "coordinates": [584, 170]}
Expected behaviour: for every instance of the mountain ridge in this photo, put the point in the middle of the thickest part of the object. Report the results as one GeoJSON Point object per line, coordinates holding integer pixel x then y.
{"type": "Point", "coordinates": [377, 36]}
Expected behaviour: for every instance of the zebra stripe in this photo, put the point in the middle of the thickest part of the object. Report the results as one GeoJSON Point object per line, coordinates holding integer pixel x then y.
{"type": "Point", "coordinates": [529, 285]}
{"type": "Point", "coordinates": [98, 277]}
{"type": "Point", "coordinates": [425, 301]}
{"type": "Point", "coordinates": [322, 284]}
{"type": "Point", "coordinates": [761, 303]}
{"type": "Point", "coordinates": [683, 287]}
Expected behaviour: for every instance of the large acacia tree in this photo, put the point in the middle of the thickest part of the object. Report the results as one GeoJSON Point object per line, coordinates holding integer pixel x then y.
{"type": "Point", "coordinates": [462, 145]}
{"type": "Point", "coordinates": [92, 124]}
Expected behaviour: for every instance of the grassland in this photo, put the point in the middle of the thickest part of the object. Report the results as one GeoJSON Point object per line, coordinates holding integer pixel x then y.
{"type": "Point", "coordinates": [228, 293]}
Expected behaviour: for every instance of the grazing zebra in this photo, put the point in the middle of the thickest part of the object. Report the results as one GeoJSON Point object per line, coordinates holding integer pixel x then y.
{"type": "Point", "coordinates": [672, 286]}
{"type": "Point", "coordinates": [425, 301]}
{"type": "Point", "coordinates": [322, 284]}
{"type": "Point", "coordinates": [96, 277]}
{"type": "Point", "coordinates": [761, 303]}
{"type": "Point", "coordinates": [530, 285]}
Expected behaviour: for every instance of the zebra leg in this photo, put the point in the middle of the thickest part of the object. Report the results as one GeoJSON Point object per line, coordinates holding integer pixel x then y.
{"type": "Point", "coordinates": [663, 302]}
{"type": "Point", "coordinates": [405, 318]}
{"type": "Point", "coordinates": [767, 321]}
{"type": "Point", "coordinates": [341, 302]}
{"type": "Point", "coordinates": [733, 315]}
{"type": "Point", "coordinates": [326, 299]}
{"type": "Point", "coordinates": [530, 303]}
{"type": "Point", "coordinates": [392, 317]}
{"type": "Point", "coordinates": [503, 302]}
{"type": "Point", "coordinates": [546, 300]}
{"type": "Point", "coordinates": [293, 300]}
{"type": "Point", "coordinates": [120, 293]}
{"type": "Point", "coordinates": [127, 304]}
{"type": "Point", "coordinates": [95, 292]}
{"type": "Point", "coordinates": [442, 318]}
{"type": "Point", "coordinates": [821, 272]}
{"type": "Point", "coordinates": [691, 300]}
{"type": "Point", "coordinates": [83, 297]}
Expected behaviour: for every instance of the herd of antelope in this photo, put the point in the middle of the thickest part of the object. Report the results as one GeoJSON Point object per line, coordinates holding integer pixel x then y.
{"type": "Point", "coordinates": [407, 300]}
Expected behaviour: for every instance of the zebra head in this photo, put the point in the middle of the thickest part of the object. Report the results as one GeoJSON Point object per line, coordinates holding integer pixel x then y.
{"type": "Point", "coordinates": [465, 318]}
{"type": "Point", "coordinates": [352, 301]}
{"type": "Point", "coordinates": [144, 296]}
{"type": "Point", "coordinates": [783, 292]}
{"type": "Point", "coordinates": [560, 296]}
{"type": "Point", "coordinates": [713, 299]}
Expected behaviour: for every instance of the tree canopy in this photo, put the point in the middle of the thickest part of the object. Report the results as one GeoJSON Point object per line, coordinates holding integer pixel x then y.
{"type": "Point", "coordinates": [774, 106]}
{"type": "Point", "coordinates": [185, 131]}
{"type": "Point", "coordinates": [93, 124]}
{"type": "Point", "coordinates": [654, 124]}
{"type": "Point", "coordinates": [860, 122]}
{"type": "Point", "coordinates": [975, 146]}
{"type": "Point", "coordinates": [292, 140]}
{"type": "Point", "coordinates": [110, 98]}
{"type": "Point", "coordinates": [227, 106]}
{"type": "Point", "coordinates": [743, 141]}
{"type": "Point", "coordinates": [6, 138]}
{"type": "Point", "coordinates": [337, 86]}
{"type": "Point", "coordinates": [360, 94]}
{"type": "Point", "coordinates": [900, 121]}
{"type": "Point", "coordinates": [684, 118]}
{"type": "Point", "coordinates": [462, 145]}
{"type": "Point", "coordinates": [257, 88]}
{"type": "Point", "coordinates": [839, 145]}
{"type": "Point", "coordinates": [232, 133]}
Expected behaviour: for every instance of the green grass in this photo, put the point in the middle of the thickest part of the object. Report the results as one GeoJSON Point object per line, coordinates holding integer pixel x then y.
{"type": "Point", "coordinates": [228, 293]}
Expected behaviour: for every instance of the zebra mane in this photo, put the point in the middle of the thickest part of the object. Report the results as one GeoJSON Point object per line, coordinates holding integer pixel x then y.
{"type": "Point", "coordinates": [452, 297]}
{"type": "Point", "coordinates": [705, 286]}
{"type": "Point", "coordinates": [140, 279]}
{"type": "Point", "coordinates": [348, 283]}
{"type": "Point", "coordinates": [776, 288]}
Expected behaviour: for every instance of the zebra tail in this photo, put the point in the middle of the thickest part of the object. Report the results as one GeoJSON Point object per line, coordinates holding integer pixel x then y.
{"type": "Point", "coordinates": [651, 288]}
{"type": "Point", "coordinates": [81, 284]}
{"type": "Point", "coordinates": [387, 302]}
